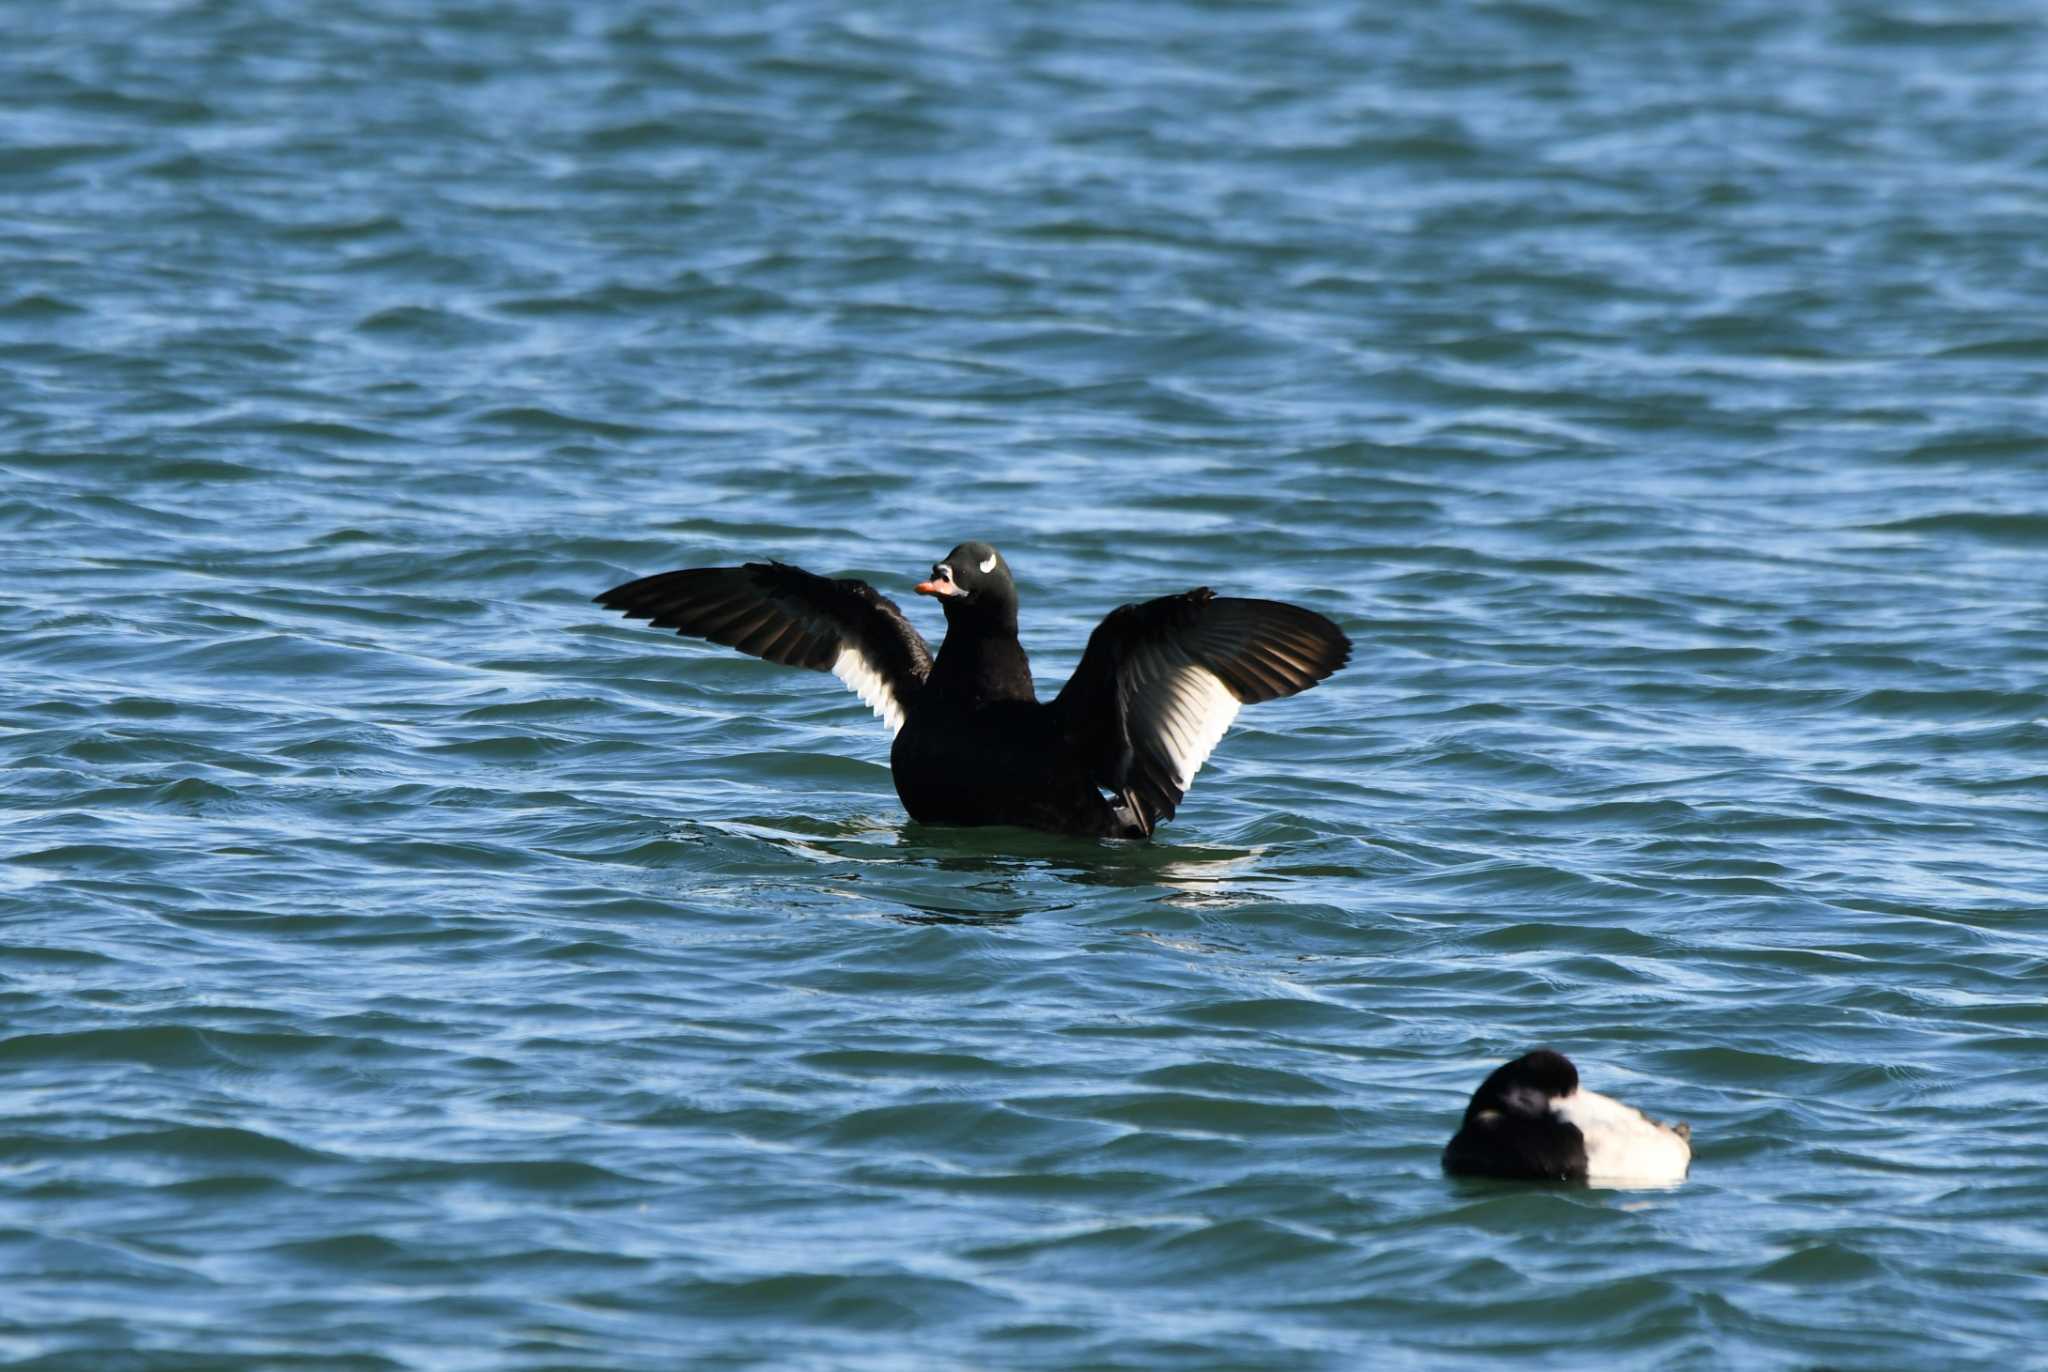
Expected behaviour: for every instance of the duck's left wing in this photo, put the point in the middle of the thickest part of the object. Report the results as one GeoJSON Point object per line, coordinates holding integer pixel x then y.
{"type": "Point", "coordinates": [786, 614]}
{"type": "Point", "coordinates": [1162, 680]}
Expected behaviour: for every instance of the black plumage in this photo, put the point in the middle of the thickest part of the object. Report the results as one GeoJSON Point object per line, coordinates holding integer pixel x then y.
{"type": "Point", "coordinates": [1510, 1129]}
{"type": "Point", "coordinates": [788, 615]}
{"type": "Point", "coordinates": [1157, 686]}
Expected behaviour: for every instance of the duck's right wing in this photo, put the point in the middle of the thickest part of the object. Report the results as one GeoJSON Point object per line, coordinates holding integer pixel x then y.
{"type": "Point", "coordinates": [786, 614]}
{"type": "Point", "coordinates": [1162, 680]}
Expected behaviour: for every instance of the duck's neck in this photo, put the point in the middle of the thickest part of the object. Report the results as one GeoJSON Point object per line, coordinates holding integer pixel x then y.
{"type": "Point", "coordinates": [981, 661]}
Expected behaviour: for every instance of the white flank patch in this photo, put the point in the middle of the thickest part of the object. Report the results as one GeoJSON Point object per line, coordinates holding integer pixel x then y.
{"type": "Point", "coordinates": [989, 565]}
{"type": "Point", "coordinates": [1624, 1146]}
{"type": "Point", "coordinates": [857, 672]}
{"type": "Point", "coordinates": [1186, 712]}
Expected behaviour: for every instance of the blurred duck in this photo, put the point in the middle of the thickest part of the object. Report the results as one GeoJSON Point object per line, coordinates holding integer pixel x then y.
{"type": "Point", "coordinates": [1532, 1121]}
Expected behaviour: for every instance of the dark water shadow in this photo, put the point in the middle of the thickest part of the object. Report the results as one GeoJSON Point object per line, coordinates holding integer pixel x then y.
{"type": "Point", "coordinates": [985, 919]}
{"type": "Point", "coordinates": [994, 860]}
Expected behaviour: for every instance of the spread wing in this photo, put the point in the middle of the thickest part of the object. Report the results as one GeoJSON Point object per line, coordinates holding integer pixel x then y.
{"type": "Point", "coordinates": [1162, 680]}
{"type": "Point", "coordinates": [789, 615]}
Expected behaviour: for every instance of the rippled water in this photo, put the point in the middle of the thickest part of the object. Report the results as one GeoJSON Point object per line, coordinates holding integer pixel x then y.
{"type": "Point", "coordinates": [408, 965]}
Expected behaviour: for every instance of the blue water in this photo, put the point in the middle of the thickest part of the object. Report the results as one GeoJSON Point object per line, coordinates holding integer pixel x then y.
{"type": "Point", "coordinates": [405, 964]}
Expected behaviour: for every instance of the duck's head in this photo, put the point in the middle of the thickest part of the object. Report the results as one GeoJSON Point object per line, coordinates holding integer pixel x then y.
{"type": "Point", "coordinates": [973, 578]}
{"type": "Point", "coordinates": [1527, 1086]}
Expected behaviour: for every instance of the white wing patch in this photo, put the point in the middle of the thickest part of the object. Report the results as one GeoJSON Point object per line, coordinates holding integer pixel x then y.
{"type": "Point", "coordinates": [1623, 1145]}
{"type": "Point", "coordinates": [1184, 711]}
{"type": "Point", "coordinates": [856, 671]}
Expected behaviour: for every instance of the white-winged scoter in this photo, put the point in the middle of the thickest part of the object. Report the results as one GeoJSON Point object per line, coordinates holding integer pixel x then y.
{"type": "Point", "coordinates": [1110, 756]}
{"type": "Point", "coordinates": [1531, 1121]}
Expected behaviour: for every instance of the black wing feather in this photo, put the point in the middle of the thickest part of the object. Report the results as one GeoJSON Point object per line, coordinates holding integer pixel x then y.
{"type": "Point", "coordinates": [1143, 705]}
{"type": "Point", "coordinates": [788, 615]}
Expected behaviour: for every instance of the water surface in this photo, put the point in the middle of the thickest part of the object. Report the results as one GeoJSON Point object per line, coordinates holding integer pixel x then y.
{"type": "Point", "coordinates": [406, 965]}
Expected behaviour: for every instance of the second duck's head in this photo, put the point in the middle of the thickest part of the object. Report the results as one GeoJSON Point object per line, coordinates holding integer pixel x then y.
{"type": "Point", "coordinates": [973, 578]}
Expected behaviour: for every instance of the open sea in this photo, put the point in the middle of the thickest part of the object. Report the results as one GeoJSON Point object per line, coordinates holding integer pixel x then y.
{"type": "Point", "coordinates": [408, 966]}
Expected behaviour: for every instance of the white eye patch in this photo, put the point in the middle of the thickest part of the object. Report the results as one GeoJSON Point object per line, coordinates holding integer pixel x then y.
{"type": "Point", "coordinates": [989, 565]}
